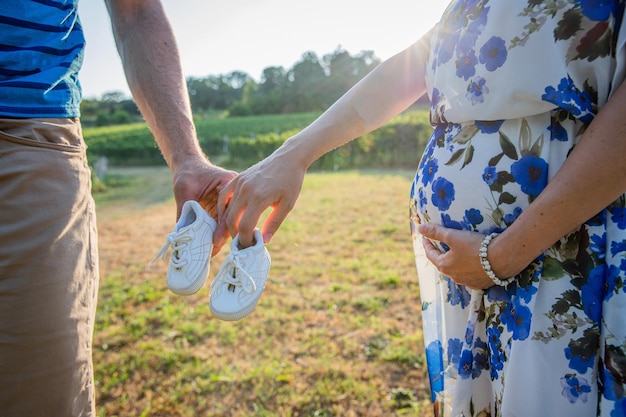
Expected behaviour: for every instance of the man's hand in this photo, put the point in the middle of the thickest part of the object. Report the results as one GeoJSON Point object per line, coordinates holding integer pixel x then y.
{"type": "Point", "coordinates": [200, 180]}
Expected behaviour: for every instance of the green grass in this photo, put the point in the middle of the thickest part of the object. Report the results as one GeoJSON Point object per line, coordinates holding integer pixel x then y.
{"type": "Point", "coordinates": [337, 331]}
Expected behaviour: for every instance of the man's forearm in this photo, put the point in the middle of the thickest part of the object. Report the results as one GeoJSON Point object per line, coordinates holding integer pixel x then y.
{"type": "Point", "coordinates": [151, 61]}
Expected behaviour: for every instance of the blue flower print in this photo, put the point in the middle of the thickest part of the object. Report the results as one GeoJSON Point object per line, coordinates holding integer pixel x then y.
{"type": "Point", "coordinates": [434, 361]}
{"type": "Point", "coordinates": [597, 245]}
{"type": "Point", "coordinates": [429, 170]}
{"type": "Point", "coordinates": [498, 294]}
{"type": "Point", "coordinates": [466, 43]}
{"type": "Point", "coordinates": [557, 132]}
{"type": "Point", "coordinates": [618, 247]}
{"type": "Point", "coordinates": [618, 216]}
{"type": "Point", "coordinates": [490, 175]}
{"type": "Point", "coordinates": [592, 293]}
{"type": "Point", "coordinates": [476, 90]}
{"type": "Point", "coordinates": [469, 5]}
{"type": "Point", "coordinates": [531, 173]}
{"type": "Point", "coordinates": [598, 220]}
{"type": "Point", "coordinates": [516, 317]}
{"type": "Point", "coordinates": [496, 363]}
{"type": "Point", "coordinates": [620, 408]}
{"type": "Point", "coordinates": [421, 201]}
{"type": "Point", "coordinates": [473, 217]}
{"type": "Point", "coordinates": [493, 53]}
{"type": "Point", "coordinates": [568, 97]}
{"type": "Point", "coordinates": [435, 99]}
{"type": "Point", "coordinates": [443, 193]}
{"type": "Point", "coordinates": [612, 388]}
{"type": "Point", "coordinates": [480, 20]}
{"type": "Point", "coordinates": [612, 279]}
{"type": "Point", "coordinates": [497, 357]}
{"type": "Point", "coordinates": [454, 350]}
{"type": "Point", "coordinates": [489, 126]}
{"type": "Point", "coordinates": [525, 293]}
{"type": "Point", "coordinates": [509, 218]}
{"type": "Point", "coordinates": [493, 337]}
{"type": "Point", "coordinates": [580, 100]}
{"type": "Point", "coordinates": [465, 365]}
{"type": "Point", "coordinates": [457, 294]}
{"type": "Point", "coordinates": [575, 388]}
{"type": "Point", "coordinates": [430, 146]}
{"type": "Point", "coordinates": [447, 222]}
{"type": "Point", "coordinates": [466, 65]}
{"type": "Point", "coordinates": [469, 333]}
{"type": "Point", "coordinates": [481, 362]}
{"type": "Point", "coordinates": [579, 363]}
{"type": "Point", "coordinates": [446, 48]}
{"type": "Point", "coordinates": [597, 10]}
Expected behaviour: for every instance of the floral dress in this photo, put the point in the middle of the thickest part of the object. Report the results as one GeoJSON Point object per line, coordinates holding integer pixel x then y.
{"type": "Point", "coordinates": [513, 85]}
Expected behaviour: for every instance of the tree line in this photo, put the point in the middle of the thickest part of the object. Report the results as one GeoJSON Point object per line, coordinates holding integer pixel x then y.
{"type": "Point", "coordinates": [311, 85]}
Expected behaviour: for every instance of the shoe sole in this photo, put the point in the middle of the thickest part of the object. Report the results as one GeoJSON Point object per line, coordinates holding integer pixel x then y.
{"type": "Point", "coordinates": [191, 289]}
{"type": "Point", "coordinates": [234, 316]}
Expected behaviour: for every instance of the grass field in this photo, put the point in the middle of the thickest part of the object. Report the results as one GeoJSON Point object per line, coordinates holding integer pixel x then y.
{"type": "Point", "coordinates": [337, 331]}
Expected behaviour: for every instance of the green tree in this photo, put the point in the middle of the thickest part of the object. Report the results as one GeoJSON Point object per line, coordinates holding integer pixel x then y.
{"type": "Point", "coordinates": [307, 78]}
{"type": "Point", "coordinates": [216, 91]}
{"type": "Point", "coordinates": [345, 70]}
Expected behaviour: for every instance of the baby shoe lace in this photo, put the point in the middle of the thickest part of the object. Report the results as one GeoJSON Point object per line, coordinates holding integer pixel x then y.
{"type": "Point", "coordinates": [239, 276]}
{"type": "Point", "coordinates": [178, 242]}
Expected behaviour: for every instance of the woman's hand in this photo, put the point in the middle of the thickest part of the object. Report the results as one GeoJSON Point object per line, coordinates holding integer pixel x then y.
{"type": "Point", "coordinates": [461, 263]}
{"type": "Point", "coordinates": [274, 182]}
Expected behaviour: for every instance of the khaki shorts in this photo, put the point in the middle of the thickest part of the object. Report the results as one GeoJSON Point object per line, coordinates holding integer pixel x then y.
{"type": "Point", "coordinates": [48, 270]}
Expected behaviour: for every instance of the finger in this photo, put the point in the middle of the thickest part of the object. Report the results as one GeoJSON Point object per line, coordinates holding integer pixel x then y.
{"type": "Point", "coordinates": [234, 208]}
{"type": "Point", "coordinates": [248, 222]}
{"type": "Point", "coordinates": [431, 251]}
{"type": "Point", "coordinates": [431, 231]}
{"type": "Point", "coordinates": [179, 209]}
{"type": "Point", "coordinates": [274, 220]}
{"type": "Point", "coordinates": [221, 230]}
{"type": "Point", "coordinates": [220, 237]}
{"type": "Point", "coordinates": [225, 195]}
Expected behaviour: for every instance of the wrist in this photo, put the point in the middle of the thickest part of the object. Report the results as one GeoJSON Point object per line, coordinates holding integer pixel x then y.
{"type": "Point", "coordinates": [185, 159]}
{"type": "Point", "coordinates": [486, 264]}
{"type": "Point", "coordinates": [505, 258]}
{"type": "Point", "coordinates": [294, 152]}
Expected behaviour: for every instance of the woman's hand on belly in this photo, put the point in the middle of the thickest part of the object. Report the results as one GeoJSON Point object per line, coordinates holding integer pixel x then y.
{"type": "Point", "coordinates": [461, 262]}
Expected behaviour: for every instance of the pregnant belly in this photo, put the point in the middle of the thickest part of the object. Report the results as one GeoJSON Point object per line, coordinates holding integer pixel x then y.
{"type": "Point", "coordinates": [478, 183]}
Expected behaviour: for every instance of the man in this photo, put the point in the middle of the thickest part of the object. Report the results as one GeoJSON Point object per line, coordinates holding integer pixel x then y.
{"type": "Point", "coordinates": [48, 237]}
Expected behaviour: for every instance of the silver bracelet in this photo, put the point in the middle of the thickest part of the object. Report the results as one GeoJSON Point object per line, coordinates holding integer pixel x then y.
{"type": "Point", "coordinates": [482, 254]}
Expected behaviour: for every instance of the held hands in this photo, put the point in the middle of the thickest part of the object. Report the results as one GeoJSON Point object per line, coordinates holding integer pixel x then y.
{"type": "Point", "coordinates": [274, 182]}
{"type": "Point", "coordinates": [461, 263]}
{"type": "Point", "coordinates": [200, 180]}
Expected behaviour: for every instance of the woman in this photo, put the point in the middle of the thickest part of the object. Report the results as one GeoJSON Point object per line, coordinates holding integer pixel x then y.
{"type": "Point", "coordinates": [546, 341]}
{"type": "Point", "coordinates": [522, 304]}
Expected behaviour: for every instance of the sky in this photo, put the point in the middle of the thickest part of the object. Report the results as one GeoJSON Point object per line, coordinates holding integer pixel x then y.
{"type": "Point", "coordinates": [219, 36]}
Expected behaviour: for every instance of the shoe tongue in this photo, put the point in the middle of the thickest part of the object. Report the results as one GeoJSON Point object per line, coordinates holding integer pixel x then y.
{"type": "Point", "coordinates": [186, 221]}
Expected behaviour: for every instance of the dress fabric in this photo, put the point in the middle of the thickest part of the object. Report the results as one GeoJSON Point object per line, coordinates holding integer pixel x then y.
{"type": "Point", "coordinates": [513, 85]}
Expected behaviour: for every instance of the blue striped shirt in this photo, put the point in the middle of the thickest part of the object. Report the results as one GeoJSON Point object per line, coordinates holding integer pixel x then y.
{"type": "Point", "coordinates": [41, 51]}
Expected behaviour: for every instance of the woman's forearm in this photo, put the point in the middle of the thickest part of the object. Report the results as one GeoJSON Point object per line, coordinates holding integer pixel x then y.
{"type": "Point", "coordinates": [593, 176]}
{"type": "Point", "coordinates": [385, 92]}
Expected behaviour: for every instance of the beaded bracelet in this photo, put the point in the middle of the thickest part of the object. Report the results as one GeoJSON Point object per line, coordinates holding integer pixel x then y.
{"type": "Point", "coordinates": [482, 254]}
